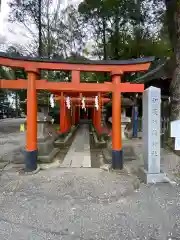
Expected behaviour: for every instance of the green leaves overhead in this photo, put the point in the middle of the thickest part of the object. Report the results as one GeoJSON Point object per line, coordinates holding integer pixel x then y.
{"type": "Point", "coordinates": [125, 28]}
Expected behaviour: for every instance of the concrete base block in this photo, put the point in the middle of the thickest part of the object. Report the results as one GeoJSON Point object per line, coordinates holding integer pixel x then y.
{"type": "Point", "coordinates": [107, 156]}
{"type": "Point", "coordinates": [45, 151]}
{"type": "Point", "coordinates": [42, 138]}
{"type": "Point", "coordinates": [62, 142]}
{"type": "Point", "coordinates": [98, 144]}
{"type": "Point", "coordinates": [152, 177]}
{"type": "Point", "coordinates": [48, 158]}
{"type": "Point", "coordinates": [45, 147]}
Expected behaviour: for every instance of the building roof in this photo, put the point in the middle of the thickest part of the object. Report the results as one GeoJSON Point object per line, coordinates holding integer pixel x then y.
{"type": "Point", "coordinates": [162, 70]}
{"type": "Point", "coordinates": [80, 61]}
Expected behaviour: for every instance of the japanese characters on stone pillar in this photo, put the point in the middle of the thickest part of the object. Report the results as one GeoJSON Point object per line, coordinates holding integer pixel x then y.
{"type": "Point", "coordinates": [151, 129]}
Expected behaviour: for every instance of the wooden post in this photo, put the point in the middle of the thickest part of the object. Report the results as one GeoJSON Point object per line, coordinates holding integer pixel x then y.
{"type": "Point", "coordinates": [135, 121]}
{"type": "Point", "coordinates": [69, 118]}
{"type": "Point", "coordinates": [76, 76]}
{"type": "Point", "coordinates": [92, 112]}
{"type": "Point", "coordinates": [73, 115]}
{"type": "Point", "coordinates": [31, 133]}
{"type": "Point", "coordinates": [66, 120]}
{"type": "Point", "coordinates": [62, 113]}
{"type": "Point", "coordinates": [92, 115]}
{"type": "Point", "coordinates": [117, 154]}
{"type": "Point", "coordinates": [98, 118]}
{"type": "Point", "coordinates": [95, 117]}
{"type": "Point", "coordinates": [79, 113]}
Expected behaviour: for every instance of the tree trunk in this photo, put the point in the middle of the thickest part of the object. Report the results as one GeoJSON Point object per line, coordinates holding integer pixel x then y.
{"type": "Point", "coordinates": [104, 44]}
{"type": "Point", "coordinates": [137, 30]}
{"type": "Point", "coordinates": [48, 32]}
{"type": "Point", "coordinates": [116, 33]}
{"type": "Point", "coordinates": [40, 28]}
{"type": "Point", "coordinates": [171, 6]}
{"type": "Point", "coordinates": [104, 39]}
{"type": "Point", "coordinates": [175, 83]}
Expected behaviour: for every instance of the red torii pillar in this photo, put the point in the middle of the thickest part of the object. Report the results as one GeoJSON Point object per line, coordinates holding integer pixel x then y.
{"type": "Point", "coordinates": [31, 133]}
{"type": "Point", "coordinates": [76, 114]}
{"type": "Point", "coordinates": [67, 119]}
{"type": "Point", "coordinates": [92, 114]}
{"type": "Point", "coordinates": [98, 114]}
{"type": "Point", "coordinates": [62, 113]}
{"type": "Point", "coordinates": [117, 153]}
{"type": "Point", "coordinates": [73, 115]}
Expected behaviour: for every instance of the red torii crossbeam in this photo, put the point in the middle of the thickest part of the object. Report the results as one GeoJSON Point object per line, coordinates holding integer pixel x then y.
{"type": "Point", "coordinates": [71, 87]}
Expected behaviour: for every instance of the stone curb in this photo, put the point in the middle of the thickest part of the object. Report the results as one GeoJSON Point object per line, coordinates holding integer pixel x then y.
{"type": "Point", "coordinates": [55, 164]}
{"type": "Point", "coordinates": [50, 157]}
{"type": "Point", "coordinates": [107, 157]}
{"type": "Point", "coordinates": [63, 142]}
{"type": "Point", "coordinates": [98, 144]}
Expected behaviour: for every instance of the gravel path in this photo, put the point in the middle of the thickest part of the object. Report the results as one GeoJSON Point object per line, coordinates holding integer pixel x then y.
{"type": "Point", "coordinates": [86, 204]}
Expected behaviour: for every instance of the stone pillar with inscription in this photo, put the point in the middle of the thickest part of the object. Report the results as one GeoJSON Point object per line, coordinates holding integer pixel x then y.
{"type": "Point", "coordinates": [151, 172]}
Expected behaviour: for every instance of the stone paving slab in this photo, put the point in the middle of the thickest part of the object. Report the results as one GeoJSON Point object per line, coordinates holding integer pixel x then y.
{"type": "Point", "coordinates": [88, 204]}
{"type": "Point", "coordinates": [79, 152]}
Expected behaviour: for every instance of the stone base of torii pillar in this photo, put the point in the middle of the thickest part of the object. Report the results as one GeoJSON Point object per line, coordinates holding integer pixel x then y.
{"type": "Point", "coordinates": [46, 149]}
{"type": "Point", "coordinates": [45, 142]}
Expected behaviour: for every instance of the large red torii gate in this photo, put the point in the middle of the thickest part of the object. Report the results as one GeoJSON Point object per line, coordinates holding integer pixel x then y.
{"type": "Point", "coordinates": [33, 83]}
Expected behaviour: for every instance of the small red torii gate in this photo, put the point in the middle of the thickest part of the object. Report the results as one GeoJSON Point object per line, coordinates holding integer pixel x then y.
{"type": "Point", "coordinates": [33, 83]}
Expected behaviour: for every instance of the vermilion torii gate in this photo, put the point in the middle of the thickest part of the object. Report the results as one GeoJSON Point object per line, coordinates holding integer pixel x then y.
{"type": "Point", "coordinates": [33, 83]}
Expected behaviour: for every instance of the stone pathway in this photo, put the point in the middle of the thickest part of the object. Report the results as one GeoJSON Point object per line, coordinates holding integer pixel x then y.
{"type": "Point", "coordinates": [79, 153]}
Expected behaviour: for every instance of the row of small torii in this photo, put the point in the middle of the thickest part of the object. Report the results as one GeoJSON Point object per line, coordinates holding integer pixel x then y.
{"type": "Point", "coordinates": [83, 102]}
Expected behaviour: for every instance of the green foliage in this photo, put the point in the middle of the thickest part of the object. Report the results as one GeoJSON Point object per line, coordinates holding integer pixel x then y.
{"type": "Point", "coordinates": [120, 29]}
{"type": "Point", "coordinates": [126, 29]}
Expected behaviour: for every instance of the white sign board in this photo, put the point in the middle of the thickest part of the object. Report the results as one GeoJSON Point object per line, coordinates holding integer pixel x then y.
{"type": "Point", "coordinates": [177, 143]}
{"type": "Point", "coordinates": [175, 129]}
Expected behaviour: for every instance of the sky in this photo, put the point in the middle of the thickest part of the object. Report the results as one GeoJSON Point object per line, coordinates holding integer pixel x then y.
{"type": "Point", "coordinates": [14, 33]}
